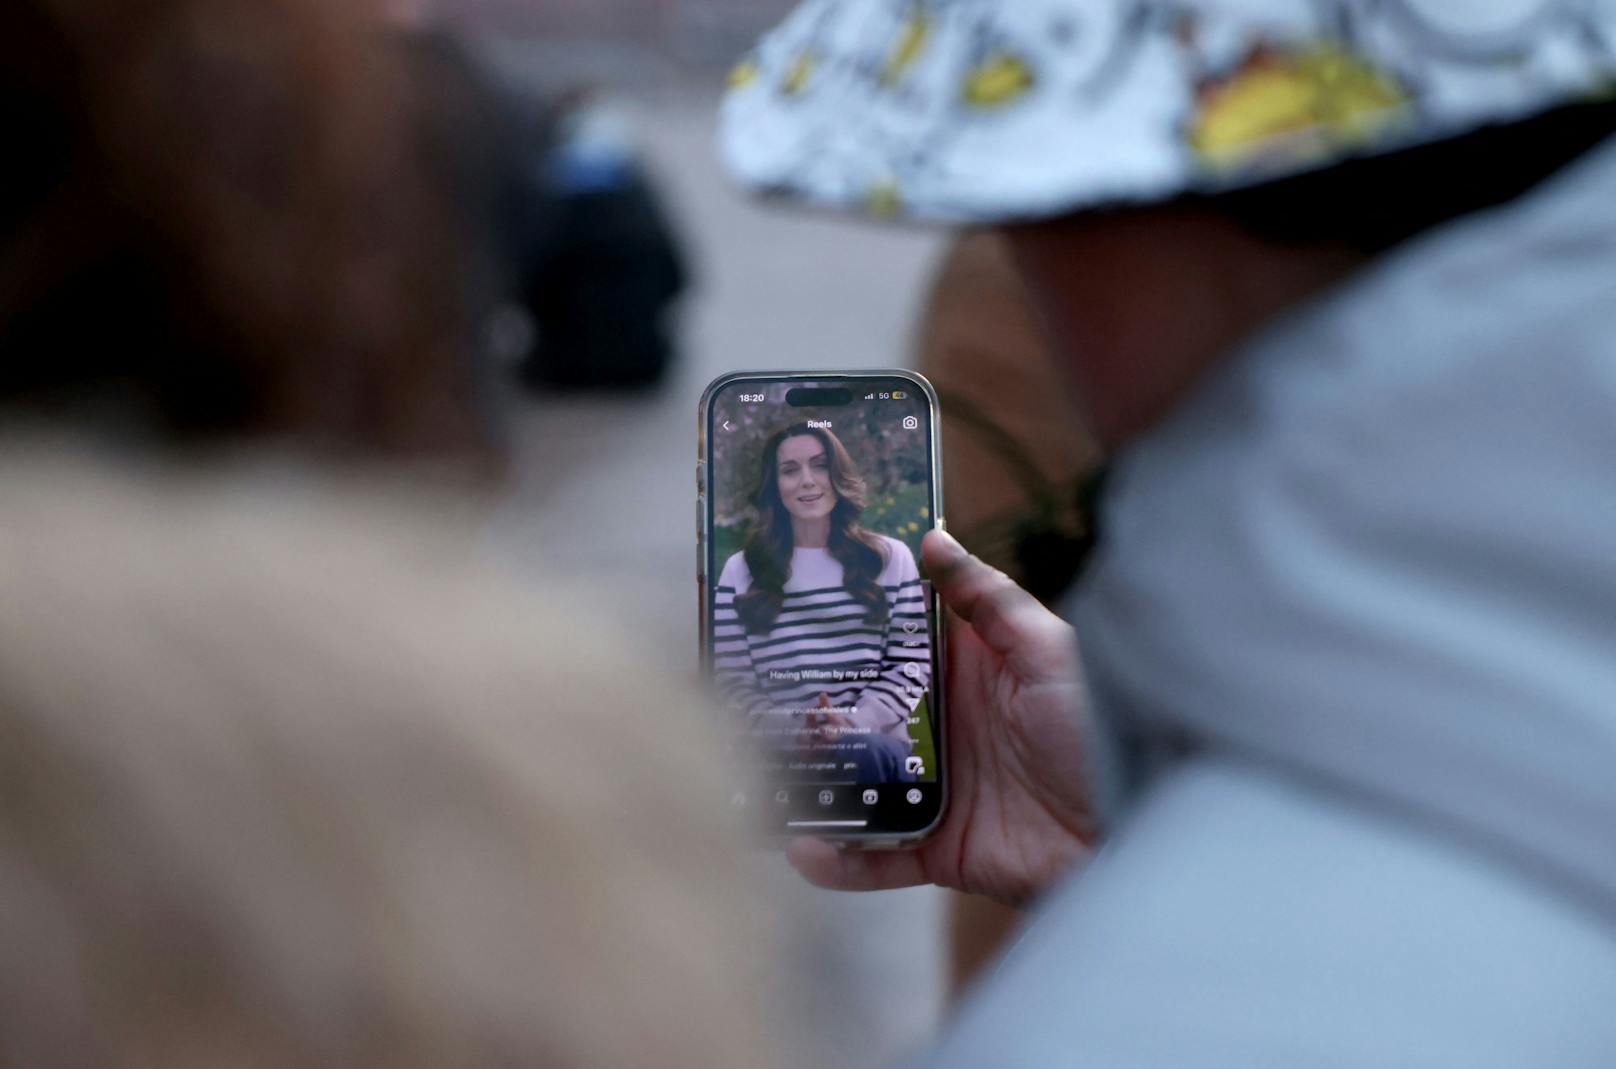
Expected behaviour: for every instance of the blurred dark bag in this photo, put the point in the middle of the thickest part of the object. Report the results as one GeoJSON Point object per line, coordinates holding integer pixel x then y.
{"type": "Point", "coordinates": [602, 296]}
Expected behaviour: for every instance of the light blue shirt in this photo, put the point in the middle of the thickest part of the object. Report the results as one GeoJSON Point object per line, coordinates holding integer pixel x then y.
{"type": "Point", "coordinates": [1352, 641]}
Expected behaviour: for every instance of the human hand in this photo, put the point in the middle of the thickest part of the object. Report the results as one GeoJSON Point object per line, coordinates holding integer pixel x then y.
{"type": "Point", "coordinates": [1020, 813]}
{"type": "Point", "coordinates": [825, 726]}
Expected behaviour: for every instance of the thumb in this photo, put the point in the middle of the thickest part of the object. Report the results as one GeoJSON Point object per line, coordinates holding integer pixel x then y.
{"type": "Point", "coordinates": [1012, 623]}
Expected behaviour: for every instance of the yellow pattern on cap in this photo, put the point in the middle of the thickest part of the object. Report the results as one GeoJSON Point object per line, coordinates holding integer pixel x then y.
{"type": "Point", "coordinates": [916, 29]}
{"type": "Point", "coordinates": [884, 200]}
{"type": "Point", "coordinates": [743, 73]}
{"type": "Point", "coordinates": [1001, 78]}
{"type": "Point", "coordinates": [1307, 101]}
{"type": "Point", "coordinates": [797, 75]}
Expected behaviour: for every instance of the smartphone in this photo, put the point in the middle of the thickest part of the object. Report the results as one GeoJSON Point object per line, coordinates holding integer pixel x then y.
{"type": "Point", "coordinates": [820, 632]}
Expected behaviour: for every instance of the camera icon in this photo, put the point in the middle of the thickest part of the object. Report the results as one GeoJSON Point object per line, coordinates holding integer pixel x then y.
{"type": "Point", "coordinates": [911, 423]}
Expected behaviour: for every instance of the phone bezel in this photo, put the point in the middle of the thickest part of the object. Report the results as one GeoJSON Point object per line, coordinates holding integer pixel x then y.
{"type": "Point", "coordinates": [869, 839]}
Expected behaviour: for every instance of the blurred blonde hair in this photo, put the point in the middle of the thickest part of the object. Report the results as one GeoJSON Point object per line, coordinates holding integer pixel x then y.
{"type": "Point", "coordinates": [288, 778]}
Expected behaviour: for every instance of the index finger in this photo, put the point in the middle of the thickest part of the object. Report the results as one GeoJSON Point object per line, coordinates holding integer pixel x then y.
{"type": "Point", "coordinates": [823, 865]}
{"type": "Point", "coordinates": [1010, 621]}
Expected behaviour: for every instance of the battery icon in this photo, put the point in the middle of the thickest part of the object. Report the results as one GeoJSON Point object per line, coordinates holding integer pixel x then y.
{"type": "Point", "coordinates": [898, 395]}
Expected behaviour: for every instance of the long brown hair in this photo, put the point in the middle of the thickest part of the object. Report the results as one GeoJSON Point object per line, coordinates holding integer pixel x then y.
{"type": "Point", "coordinates": [768, 550]}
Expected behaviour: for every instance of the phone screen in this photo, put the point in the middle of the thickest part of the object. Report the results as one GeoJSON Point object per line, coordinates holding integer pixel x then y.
{"type": "Point", "coordinates": [821, 629]}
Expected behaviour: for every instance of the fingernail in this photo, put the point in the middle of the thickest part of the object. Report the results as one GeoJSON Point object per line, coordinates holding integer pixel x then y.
{"type": "Point", "coordinates": [948, 546]}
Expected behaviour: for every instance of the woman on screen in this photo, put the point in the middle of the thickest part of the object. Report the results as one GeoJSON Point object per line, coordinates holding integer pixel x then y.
{"type": "Point", "coordinates": [819, 626]}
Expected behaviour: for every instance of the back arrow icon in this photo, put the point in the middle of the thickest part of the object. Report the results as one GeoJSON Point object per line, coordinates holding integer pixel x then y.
{"type": "Point", "coordinates": [728, 426]}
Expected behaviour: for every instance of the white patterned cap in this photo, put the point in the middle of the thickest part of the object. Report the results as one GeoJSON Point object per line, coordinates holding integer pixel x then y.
{"type": "Point", "coordinates": [986, 110]}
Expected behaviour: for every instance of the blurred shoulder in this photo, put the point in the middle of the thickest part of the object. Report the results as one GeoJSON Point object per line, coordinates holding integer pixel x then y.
{"type": "Point", "coordinates": [256, 582]}
{"type": "Point", "coordinates": [736, 575]}
{"type": "Point", "coordinates": [900, 561]}
{"type": "Point", "coordinates": [250, 643]}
